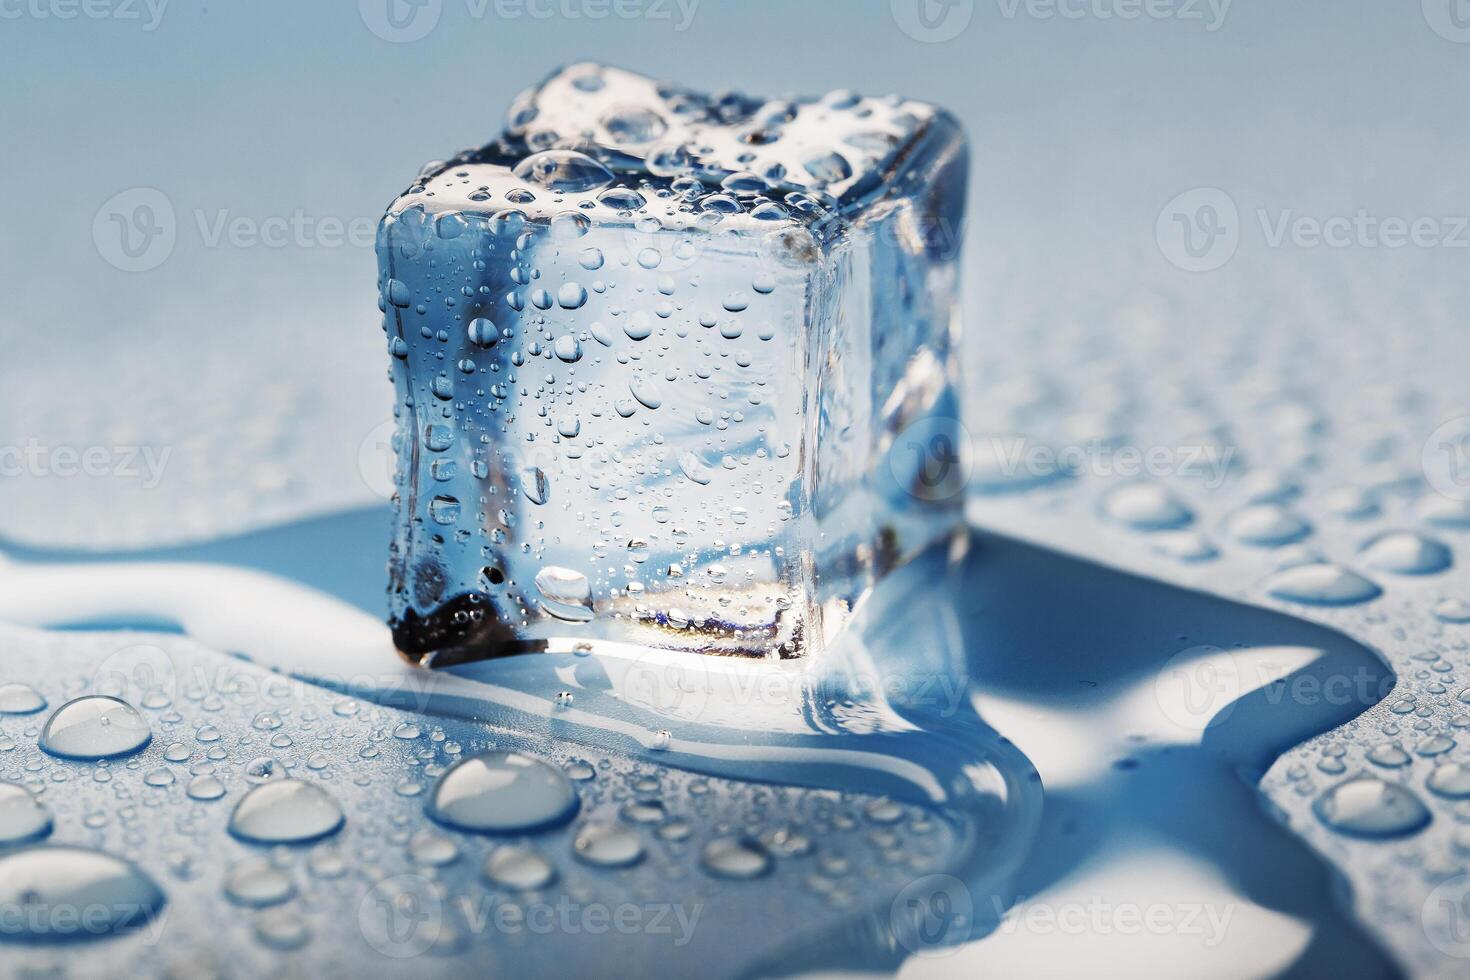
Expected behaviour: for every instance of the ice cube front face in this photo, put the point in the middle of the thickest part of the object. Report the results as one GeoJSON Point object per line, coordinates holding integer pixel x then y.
{"type": "Point", "coordinates": [658, 359]}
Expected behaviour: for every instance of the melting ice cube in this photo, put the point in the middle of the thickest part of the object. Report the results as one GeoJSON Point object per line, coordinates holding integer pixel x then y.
{"type": "Point", "coordinates": [672, 370]}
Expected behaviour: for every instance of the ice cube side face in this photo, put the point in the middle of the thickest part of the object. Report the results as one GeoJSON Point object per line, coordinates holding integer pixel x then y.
{"type": "Point", "coordinates": [640, 407]}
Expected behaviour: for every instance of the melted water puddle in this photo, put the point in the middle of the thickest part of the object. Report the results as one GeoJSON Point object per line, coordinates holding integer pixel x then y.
{"type": "Point", "coordinates": [1123, 827]}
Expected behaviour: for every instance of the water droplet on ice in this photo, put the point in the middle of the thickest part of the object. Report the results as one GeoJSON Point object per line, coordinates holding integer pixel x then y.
{"type": "Point", "coordinates": [95, 727]}
{"type": "Point", "coordinates": [503, 793]}
{"type": "Point", "coordinates": [566, 171]}
{"type": "Point", "coordinates": [285, 811]}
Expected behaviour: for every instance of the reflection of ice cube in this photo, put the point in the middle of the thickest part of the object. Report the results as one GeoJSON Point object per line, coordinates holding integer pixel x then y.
{"type": "Point", "coordinates": [662, 346]}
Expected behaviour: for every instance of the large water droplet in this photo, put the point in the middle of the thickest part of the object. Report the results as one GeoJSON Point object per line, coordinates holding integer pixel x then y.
{"type": "Point", "coordinates": [518, 869]}
{"type": "Point", "coordinates": [503, 793]}
{"type": "Point", "coordinates": [1322, 584]}
{"type": "Point", "coordinates": [1454, 611]}
{"type": "Point", "coordinates": [22, 817]}
{"type": "Point", "coordinates": [20, 699]}
{"type": "Point", "coordinates": [565, 594]}
{"type": "Point", "coordinates": [53, 885]}
{"type": "Point", "coordinates": [566, 171]}
{"type": "Point", "coordinates": [1267, 526]}
{"type": "Point", "coordinates": [735, 857]}
{"type": "Point", "coordinates": [607, 845]}
{"type": "Point", "coordinates": [1366, 806]}
{"type": "Point", "coordinates": [95, 727]}
{"type": "Point", "coordinates": [285, 811]}
{"type": "Point", "coordinates": [1146, 507]}
{"type": "Point", "coordinates": [1407, 553]}
{"type": "Point", "coordinates": [646, 390]}
{"type": "Point", "coordinates": [1450, 780]}
{"type": "Point", "coordinates": [257, 883]}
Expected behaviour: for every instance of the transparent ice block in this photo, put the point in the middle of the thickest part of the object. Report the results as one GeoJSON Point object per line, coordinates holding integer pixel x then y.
{"type": "Point", "coordinates": [669, 369]}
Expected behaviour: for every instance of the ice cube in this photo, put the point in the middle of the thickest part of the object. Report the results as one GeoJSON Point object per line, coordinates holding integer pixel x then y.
{"type": "Point", "coordinates": [672, 370]}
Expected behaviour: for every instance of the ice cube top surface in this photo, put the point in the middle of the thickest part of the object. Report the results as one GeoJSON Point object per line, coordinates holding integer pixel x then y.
{"type": "Point", "coordinates": [652, 350]}
{"type": "Point", "coordinates": [806, 158]}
